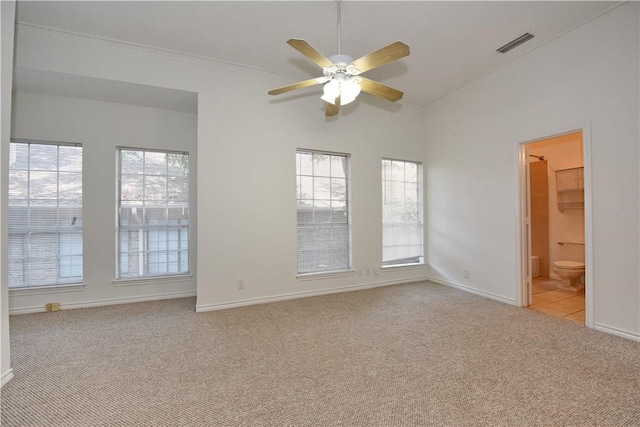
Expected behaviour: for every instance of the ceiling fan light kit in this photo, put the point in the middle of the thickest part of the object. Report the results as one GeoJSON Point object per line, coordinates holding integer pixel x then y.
{"type": "Point", "coordinates": [341, 74]}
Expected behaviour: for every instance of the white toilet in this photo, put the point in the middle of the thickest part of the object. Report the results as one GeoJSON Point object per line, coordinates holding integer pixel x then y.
{"type": "Point", "coordinates": [570, 272]}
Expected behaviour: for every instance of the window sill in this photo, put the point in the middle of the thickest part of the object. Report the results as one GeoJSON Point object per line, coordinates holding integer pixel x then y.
{"type": "Point", "coordinates": [324, 275]}
{"type": "Point", "coordinates": [152, 280]}
{"type": "Point", "coordinates": [404, 266]}
{"type": "Point", "coordinates": [46, 289]}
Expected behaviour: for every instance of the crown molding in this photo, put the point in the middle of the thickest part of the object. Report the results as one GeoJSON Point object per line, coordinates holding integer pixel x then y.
{"type": "Point", "coordinates": [141, 49]}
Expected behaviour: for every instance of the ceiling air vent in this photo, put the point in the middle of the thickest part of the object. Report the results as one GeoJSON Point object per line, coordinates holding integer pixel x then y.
{"type": "Point", "coordinates": [515, 43]}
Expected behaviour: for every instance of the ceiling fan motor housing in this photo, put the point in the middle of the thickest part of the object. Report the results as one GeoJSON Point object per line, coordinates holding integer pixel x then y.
{"type": "Point", "coordinates": [341, 60]}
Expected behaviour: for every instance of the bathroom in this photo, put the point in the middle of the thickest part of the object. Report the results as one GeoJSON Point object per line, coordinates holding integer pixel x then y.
{"type": "Point", "coordinates": [556, 192]}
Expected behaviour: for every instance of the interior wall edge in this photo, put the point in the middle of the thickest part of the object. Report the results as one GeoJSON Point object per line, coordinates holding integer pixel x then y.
{"type": "Point", "coordinates": [7, 19]}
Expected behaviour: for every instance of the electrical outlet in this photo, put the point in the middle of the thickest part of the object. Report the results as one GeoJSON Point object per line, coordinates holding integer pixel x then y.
{"type": "Point", "coordinates": [52, 306]}
{"type": "Point", "coordinates": [376, 271]}
{"type": "Point", "coordinates": [240, 284]}
{"type": "Point", "coordinates": [368, 273]}
{"type": "Point", "coordinates": [466, 273]}
{"type": "Point", "coordinates": [359, 272]}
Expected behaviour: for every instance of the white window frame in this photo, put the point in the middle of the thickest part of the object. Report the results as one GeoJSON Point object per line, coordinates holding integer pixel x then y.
{"type": "Point", "coordinates": [415, 219]}
{"type": "Point", "coordinates": [149, 249]}
{"type": "Point", "coordinates": [67, 233]}
{"type": "Point", "coordinates": [315, 206]}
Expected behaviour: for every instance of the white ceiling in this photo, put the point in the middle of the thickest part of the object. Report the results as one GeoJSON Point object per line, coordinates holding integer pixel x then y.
{"type": "Point", "coordinates": [452, 42]}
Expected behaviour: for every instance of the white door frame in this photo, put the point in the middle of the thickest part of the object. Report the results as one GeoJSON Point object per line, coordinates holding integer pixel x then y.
{"type": "Point", "coordinates": [523, 289]}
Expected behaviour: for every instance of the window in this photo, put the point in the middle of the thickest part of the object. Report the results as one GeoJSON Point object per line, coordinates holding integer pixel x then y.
{"type": "Point", "coordinates": [323, 212]}
{"type": "Point", "coordinates": [153, 213]}
{"type": "Point", "coordinates": [402, 229]}
{"type": "Point", "coordinates": [44, 214]}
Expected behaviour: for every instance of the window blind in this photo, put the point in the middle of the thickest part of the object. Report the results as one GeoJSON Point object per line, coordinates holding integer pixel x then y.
{"type": "Point", "coordinates": [402, 227]}
{"type": "Point", "coordinates": [153, 213]}
{"type": "Point", "coordinates": [44, 214]}
{"type": "Point", "coordinates": [323, 212]}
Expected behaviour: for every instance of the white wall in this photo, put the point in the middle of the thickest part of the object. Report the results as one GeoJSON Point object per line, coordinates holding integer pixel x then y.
{"type": "Point", "coordinates": [253, 193]}
{"type": "Point", "coordinates": [246, 162]}
{"type": "Point", "coordinates": [101, 127]}
{"type": "Point", "coordinates": [589, 75]}
{"type": "Point", "coordinates": [7, 17]}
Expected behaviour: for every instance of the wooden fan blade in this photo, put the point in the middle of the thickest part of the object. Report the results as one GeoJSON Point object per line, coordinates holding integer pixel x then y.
{"type": "Point", "coordinates": [310, 52]}
{"type": "Point", "coordinates": [331, 109]}
{"type": "Point", "coordinates": [299, 85]}
{"type": "Point", "coordinates": [395, 50]}
{"type": "Point", "coordinates": [378, 89]}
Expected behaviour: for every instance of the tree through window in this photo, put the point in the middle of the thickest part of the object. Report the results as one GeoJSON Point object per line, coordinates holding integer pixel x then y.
{"type": "Point", "coordinates": [153, 213]}
{"type": "Point", "coordinates": [402, 228]}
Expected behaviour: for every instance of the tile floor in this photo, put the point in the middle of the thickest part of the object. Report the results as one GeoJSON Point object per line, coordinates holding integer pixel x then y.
{"type": "Point", "coordinates": [547, 298]}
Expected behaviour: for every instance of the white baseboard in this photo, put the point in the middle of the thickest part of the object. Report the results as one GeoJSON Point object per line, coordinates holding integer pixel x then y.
{"type": "Point", "coordinates": [6, 377]}
{"type": "Point", "coordinates": [597, 326]}
{"type": "Point", "coordinates": [296, 295]}
{"type": "Point", "coordinates": [469, 289]}
{"type": "Point", "coordinates": [614, 331]}
{"type": "Point", "coordinates": [99, 303]}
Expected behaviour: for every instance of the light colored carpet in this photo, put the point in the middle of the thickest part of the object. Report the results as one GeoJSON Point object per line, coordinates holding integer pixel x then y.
{"type": "Point", "coordinates": [407, 355]}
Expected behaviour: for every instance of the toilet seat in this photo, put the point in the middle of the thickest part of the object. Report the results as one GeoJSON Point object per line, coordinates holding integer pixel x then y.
{"type": "Point", "coordinates": [569, 265]}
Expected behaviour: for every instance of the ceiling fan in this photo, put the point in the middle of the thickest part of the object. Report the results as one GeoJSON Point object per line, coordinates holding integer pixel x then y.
{"type": "Point", "coordinates": [342, 77]}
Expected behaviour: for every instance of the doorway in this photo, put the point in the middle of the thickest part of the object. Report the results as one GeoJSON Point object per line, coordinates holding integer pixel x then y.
{"type": "Point", "coordinates": [555, 221]}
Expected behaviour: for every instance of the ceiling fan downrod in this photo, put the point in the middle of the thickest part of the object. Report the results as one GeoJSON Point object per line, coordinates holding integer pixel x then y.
{"type": "Point", "coordinates": [339, 25]}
